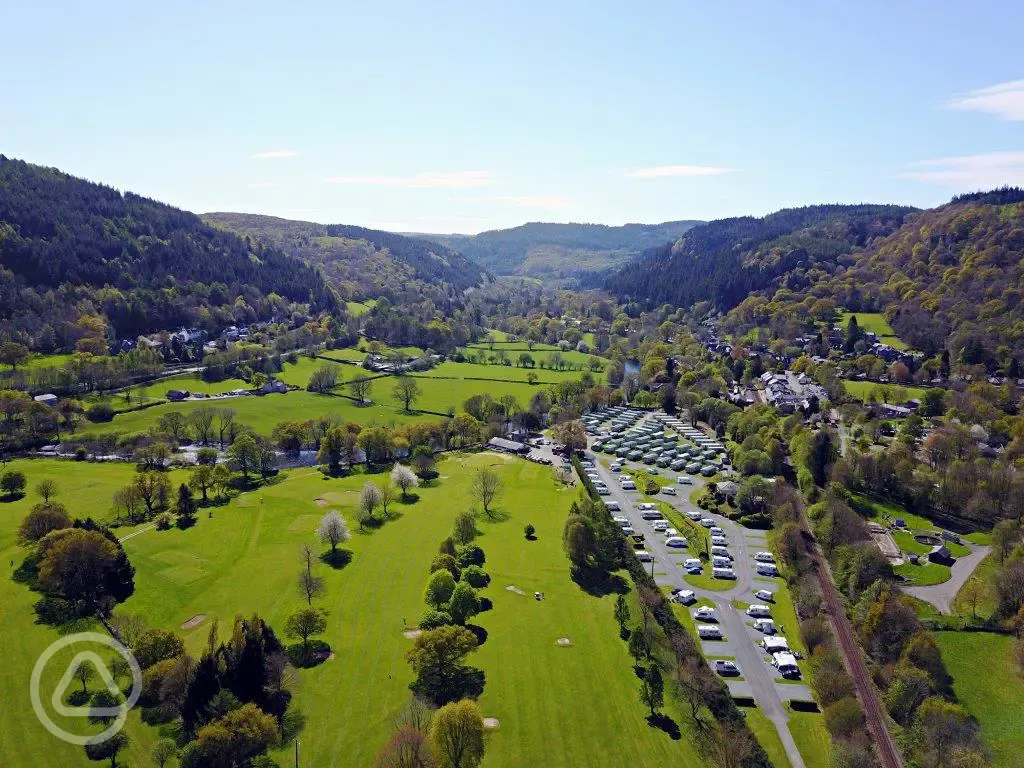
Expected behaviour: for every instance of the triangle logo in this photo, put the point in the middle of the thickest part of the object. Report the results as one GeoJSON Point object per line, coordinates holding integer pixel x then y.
{"type": "Point", "coordinates": [85, 657]}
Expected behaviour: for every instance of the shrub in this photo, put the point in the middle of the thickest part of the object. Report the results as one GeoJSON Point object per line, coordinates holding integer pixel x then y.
{"type": "Point", "coordinates": [434, 619]}
{"type": "Point", "coordinates": [100, 412]}
{"type": "Point", "coordinates": [529, 531]}
{"type": "Point", "coordinates": [476, 576]}
{"type": "Point", "coordinates": [162, 522]}
{"type": "Point", "coordinates": [447, 562]}
{"type": "Point", "coordinates": [12, 482]}
{"type": "Point", "coordinates": [81, 454]}
{"type": "Point", "coordinates": [844, 717]}
{"type": "Point", "coordinates": [207, 456]}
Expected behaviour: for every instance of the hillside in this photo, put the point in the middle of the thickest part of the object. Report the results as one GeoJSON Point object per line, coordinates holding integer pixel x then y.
{"type": "Point", "coordinates": [561, 250]}
{"type": "Point", "coordinates": [71, 250]}
{"type": "Point", "coordinates": [361, 262]}
{"type": "Point", "coordinates": [723, 261]}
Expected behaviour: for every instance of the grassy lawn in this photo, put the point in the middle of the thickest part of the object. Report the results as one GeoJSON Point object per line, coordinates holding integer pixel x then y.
{"type": "Point", "coordinates": [244, 559]}
{"type": "Point", "coordinates": [452, 370]}
{"type": "Point", "coordinates": [357, 308]}
{"type": "Point", "coordinates": [989, 602]}
{"type": "Point", "coordinates": [811, 737]}
{"type": "Point", "coordinates": [863, 389]}
{"type": "Point", "coordinates": [876, 323]}
{"type": "Point", "coordinates": [37, 360]}
{"type": "Point", "coordinates": [924, 575]}
{"type": "Point", "coordinates": [987, 682]}
{"type": "Point", "coordinates": [768, 736]}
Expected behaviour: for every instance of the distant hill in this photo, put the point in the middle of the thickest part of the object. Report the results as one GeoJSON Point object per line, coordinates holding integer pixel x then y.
{"type": "Point", "coordinates": [724, 261]}
{"type": "Point", "coordinates": [561, 250]}
{"type": "Point", "coordinates": [72, 249]}
{"type": "Point", "coordinates": [362, 262]}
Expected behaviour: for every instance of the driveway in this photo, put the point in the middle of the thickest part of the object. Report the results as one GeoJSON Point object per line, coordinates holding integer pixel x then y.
{"type": "Point", "coordinates": [741, 639]}
{"type": "Point", "coordinates": [942, 595]}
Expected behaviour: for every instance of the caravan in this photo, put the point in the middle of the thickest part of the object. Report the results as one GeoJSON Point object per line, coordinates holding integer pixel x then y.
{"type": "Point", "coordinates": [709, 632]}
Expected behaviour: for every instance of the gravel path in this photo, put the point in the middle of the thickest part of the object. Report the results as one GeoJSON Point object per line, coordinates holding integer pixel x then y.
{"type": "Point", "coordinates": [942, 595]}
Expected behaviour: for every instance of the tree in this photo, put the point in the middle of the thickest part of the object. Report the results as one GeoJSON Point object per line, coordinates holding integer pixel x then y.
{"type": "Point", "coordinates": [530, 531]}
{"type": "Point", "coordinates": [41, 520]}
{"type": "Point", "coordinates": [75, 564]}
{"type": "Point", "coordinates": [47, 488]}
{"type": "Point", "coordinates": [13, 354]}
{"type": "Point", "coordinates": [652, 689]}
{"type": "Point", "coordinates": [154, 490]}
{"type": "Point", "coordinates": [201, 480]}
{"type": "Point", "coordinates": [243, 455]}
{"type": "Point", "coordinates": [360, 387]}
{"type": "Point", "coordinates": [406, 391]}
{"type": "Point", "coordinates": [369, 498]}
{"type": "Point", "coordinates": [387, 494]}
{"type": "Point", "coordinates": [408, 747]}
{"type": "Point", "coordinates": [622, 614]}
{"type": "Point", "coordinates": [423, 459]}
{"type": "Point", "coordinates": [156, 645]}
{"type": "Point", "coordinates": [485, 487]}
{"type": "Point", "coordinates": [325, 378]}
{"type": "Point", "coordinates": [457, 732]}
{"type": "Point", "coordinates": [439, 589]}
{"type": "Point", "coordinates": [101, 750]}
{"type": "Point", "coordinates": [12, 482]}
{"type": "Point", "coordinates": [972, 593]}
{"type": "Point", "coordinates": [726, 746]}
{"type": "Point", "coordinates": [571, 434]}
{"type": "Point", "coordinates": [1004, 537]}
{"type": "Point", "coordinates": [163, 751]}
{"type": "Point", "coordinates": [464, 603]}
{"type": "Point", "coordinates": [464, 528]}
{"type": "Point", "coordinates": [404, 479]}
{"type": "Point", "coordinates": [185, 507]}
{"type": "Point", "coordinates": [259, 381]}
{"type": "Point", "coordinates": [310, 585]}
{"type": "Point", "coordinates": [377, 443]}
{"type": "Point", "coordinates": [85, 672]}
{"type": "Point", "coordinates": [174, 424]}
{"type": "Point", "coordinates": [333, 530]}
{"type": "Point", "coordinates": [305, 623]}
{"type": "Point", "coordinates": [332, 448]}
{"type": "Point", "coordinates": [236, 737]}
{"type": "Point", "coordinates": [202, 424]}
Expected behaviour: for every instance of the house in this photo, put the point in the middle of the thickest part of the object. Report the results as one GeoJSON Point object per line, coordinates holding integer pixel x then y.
{"type": "Point", "coordinates": [274, 385]}
{"type": "Point", "coordinates": [47, 399]}
{"type": "Point", "coordinates": [728, 490]}
{"type": "Point", "coordinates": [177, 395]}
{"type": "Point", "coordinates": [507, 446]}
{"type": "Point", "coordinates": [940, 554]}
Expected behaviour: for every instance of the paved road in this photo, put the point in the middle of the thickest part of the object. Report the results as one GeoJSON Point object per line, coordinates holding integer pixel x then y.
{"type": "Point", "coordinates": [942, 595]}
{"type": "Point", "coordinates": [759, 676]}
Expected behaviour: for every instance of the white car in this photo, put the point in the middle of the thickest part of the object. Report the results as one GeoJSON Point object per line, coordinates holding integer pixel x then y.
{"type": "Point", "coordinates": [676, 542]}
{"type": "Point", "coordinates": [587, 464]}
{"type": "Point", "coordinates": [765, 594]}
{"type": "Point", "coordinates": [628, 530]}
{"type": "Point", "coordinates": [685, 597]}
{"type": "Point", "coordinates": [670, 490]}
{"type": "Point", "coordinates": [644, 556]}
{"type": "Point", "coordinates": [613, 506]}
{"type": "Point", "coordinates": [707, 522]}
{"type": "Point", "coordinates": [685, 480]}
{"type": "Point", "coordinates": [764, 557]}
{"type": "Point", "coordinates": [646, 506]}
{"type": "Point", "coordinates": [602, 490]}
{"type": "Point", "coordinates": [694, 514]}
{"type": "Point", "coordinates": [624, 478]}
{"type": "Point", "coordinates": [652, 471]}
{"type": "Point", "coordinates": [616, 467]}
{"type": "Point", "coordinates": [705, 613]}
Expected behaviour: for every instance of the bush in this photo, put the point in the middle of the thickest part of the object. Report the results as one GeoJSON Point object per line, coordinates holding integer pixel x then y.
{"type": "Point", "coordinates": [476, 576]}
{"type": "Point", "coordinates": [468, 555]}
{"type": "Point", "coordinates": [447, 562]}
{"type": "Point", "coordinates": [12, 483]}
{"type": "Point", "coordinates": [304, 657]}
{"type": "Point", "coordinates": [207, 456]}
{"type": "Point", "coordinates": [529, 531]}
{"type": "Point", "coordinates": [100, 412]}
{"type": "Point", "coordinates": [434, 619]}
{"type": "Point", "coordinates": [81, 454]}
{"type": "Point", "coordinates": [163, 522]}
{"type": "Point", "coordinates": [844, 718]}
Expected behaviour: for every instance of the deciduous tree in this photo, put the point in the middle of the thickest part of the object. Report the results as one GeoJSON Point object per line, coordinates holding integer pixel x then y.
{"type": "Point", "coordinates": [457, 732]}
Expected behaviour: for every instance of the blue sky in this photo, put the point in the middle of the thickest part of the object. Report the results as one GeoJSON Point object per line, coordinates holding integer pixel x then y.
{"type": "Point", "coordinates": [460, 117]}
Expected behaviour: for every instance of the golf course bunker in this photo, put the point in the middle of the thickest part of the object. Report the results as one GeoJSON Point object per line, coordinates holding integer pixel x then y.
{"type": "Point", "coordinates": [565, 642]}
{"type": "Point", "coordinates": [927, 538]}
{"type": "Point", "coordinates": [514, 588]}
{"type": "Point", "coordinates": [491, 723]}
{"type": "Point", "coordinates": [321, 502]}
{"type": "Point", "coordinates": [195, 621]}
{"type": "Point", "coordinates": [412, 634]}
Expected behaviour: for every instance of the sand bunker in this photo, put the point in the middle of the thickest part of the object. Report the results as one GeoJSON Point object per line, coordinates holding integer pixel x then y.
{"type": "Point", "coordinates": [563, 641]}
{"type": "Point", "coordinates": [195, 621]}
{"type": "Point", "coordinates": [321, 502]}
{"type": "Point", "coordinates": [412, 634]}
{"type": "Point", "coordinates": [491, 723]}
{"type": "Point", "coordinates": [514, 588]}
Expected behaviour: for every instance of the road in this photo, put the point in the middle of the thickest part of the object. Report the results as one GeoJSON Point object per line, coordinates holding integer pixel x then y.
{"type": "Point", "coordinates": [942, 595]}
{"type": "Point", "coordinates": [759, 676]}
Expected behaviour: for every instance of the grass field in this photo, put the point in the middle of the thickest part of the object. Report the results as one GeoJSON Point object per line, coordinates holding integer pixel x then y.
{"type": "Point", "coordinates": [766, 733]}
{"type": "Point", "coordinates": [37, 360]}
{"type": "Point", "coordinates": [512, 372]}
{"type": "Point", "coordinates": [811, 737]}
{"type": "Point", "coordinates": [862, 390]}
{"type": "Point", "coordinates": [987, 682]}
{"type": "Point", "coordinates": [876, 323]}
{"type": "Point", "coordinates": [358, 308]}
{"type": "Point", "coordinates": [556, 705]}
{"type": "Point", "coordinates": [924, 575]}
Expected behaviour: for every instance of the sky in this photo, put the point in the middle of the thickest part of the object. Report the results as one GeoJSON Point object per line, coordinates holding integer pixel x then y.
{"type": "Point", "coordinates": [469, 116]}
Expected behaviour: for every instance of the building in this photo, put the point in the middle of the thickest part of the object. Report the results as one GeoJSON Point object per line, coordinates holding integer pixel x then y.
{"type": "Point", "coordinates": [274, 385]}
{"type": "Point", "coordinates": [177, 395]}
{"type": "Point", "coordinates": [507, 446]}
{"type": "Point", "coordinates": [47, 399]}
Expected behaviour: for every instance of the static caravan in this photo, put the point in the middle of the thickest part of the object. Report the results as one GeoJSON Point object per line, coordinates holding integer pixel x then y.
{"type": "Point", "coordinates": [759, 611]}
{"type": "Point", "coordinates": [776, 644]}
{"type": "Point", "coordinates": [723, 573]}
{"type": "Point", "coordinates": [765, 626]}
{"type": "Point", "coordinates": [721, 552]}
{"type": "Point", "coordinates": [767, 569]}
{"type": "Point", "coordinates": [786, 664]}
{"type": "Point", "coordinates": [709, 632]}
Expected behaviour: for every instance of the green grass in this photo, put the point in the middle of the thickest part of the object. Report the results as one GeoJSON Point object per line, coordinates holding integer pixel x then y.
{"type": "Point", "coordinates": [542, 352]}
{"type": "Point", "coordinates": [925, 575]}
{"type": "Point", "coordinates": [768, 736]}
{"type": "Point", "coordinates": [811, 737]}
{"type": "Point", "coordinates": [863, 389]}
{"type": "Point", "coordinates": [988, 683]}
{"type": "Point", "coordinates": [985, 572]}
{"type": "Point", "coordinates": [244, 559]}
{"type": "Point", "coordinates": [37, 360]}
{"type": "Point", "coordinates": [512, 372]}
{"type": "Point", "coordinates": [358, 308]}
{"type": "Point", "coordinates": [876, 323]}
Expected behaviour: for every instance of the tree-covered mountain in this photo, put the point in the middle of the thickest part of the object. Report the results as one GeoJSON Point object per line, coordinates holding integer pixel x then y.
{"type": "Point", "coordinates": [79, 258]}
{"type": "Point", "coordinates": [561, 250]}
{"type": "Point", "coordinates": [724, 261]}
{"type": "Point", "coordinates": [362, 262]}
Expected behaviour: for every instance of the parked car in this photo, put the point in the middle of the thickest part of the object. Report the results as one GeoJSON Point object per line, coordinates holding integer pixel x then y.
{"type": "Point", "coordinates": [716, 531]}
{"type": "Point", "coordinates": [613, 506]}
{"type": "Point", "coordinates": [644, 556]}
{"type": "Point", "coordinates": [725, 667]}
{"type": "Point", "coordinates": [620, 520]}
{"type": "Point", "coordinates": [628, 485]}
{"type": "Point", "coordinates": [628, 530]}
{"type": "Point", "coordinates": [660, 525]}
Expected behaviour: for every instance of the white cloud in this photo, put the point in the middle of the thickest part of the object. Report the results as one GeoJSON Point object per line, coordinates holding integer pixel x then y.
{"type": "Point", "coordinates": [547, 202]}
{"type": "Point", "coordinates": [662, 171]}
{"type": "Point", "coordinates": [274, 154]}
{"type": "Point", "coordinates": [427, 179]}
{"type": "Point", "coordinates": [388, 226]}
{"type": "Point", "coordinates": [1003, 99]}
{"type": "Point", "coordinates": [985, 170]}
{"type": "Point", "coordinates": [260, 184]}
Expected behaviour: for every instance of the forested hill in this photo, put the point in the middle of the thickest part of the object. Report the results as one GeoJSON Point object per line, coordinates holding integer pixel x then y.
{"type": "Point", "coordinates": [71, 248]}
{"type": "Point", "coordinates": [723, 261]}
{"type": "Point", "coordinates": [362, 262]}
{"type": "Point", "coordinates": [561, 250]}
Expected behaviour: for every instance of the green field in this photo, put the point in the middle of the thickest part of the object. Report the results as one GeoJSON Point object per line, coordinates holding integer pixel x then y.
{"type": "Point", "coordinates": [452, 370]}
{"type": "Point", "coordinates": [37, 360]}
{"type": "Point", "coordinates": [876, 323]}
{"type": "Point", "coordinates": [811, 737]}
{"type": "Point", "coordinates": [989, 684]}
{"type": "Point", "coordinates": [862, 390]}
{"type": "Point", "coordinates": [556, 705]}
{"type": "Point", "coordinates": [358, 308]}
